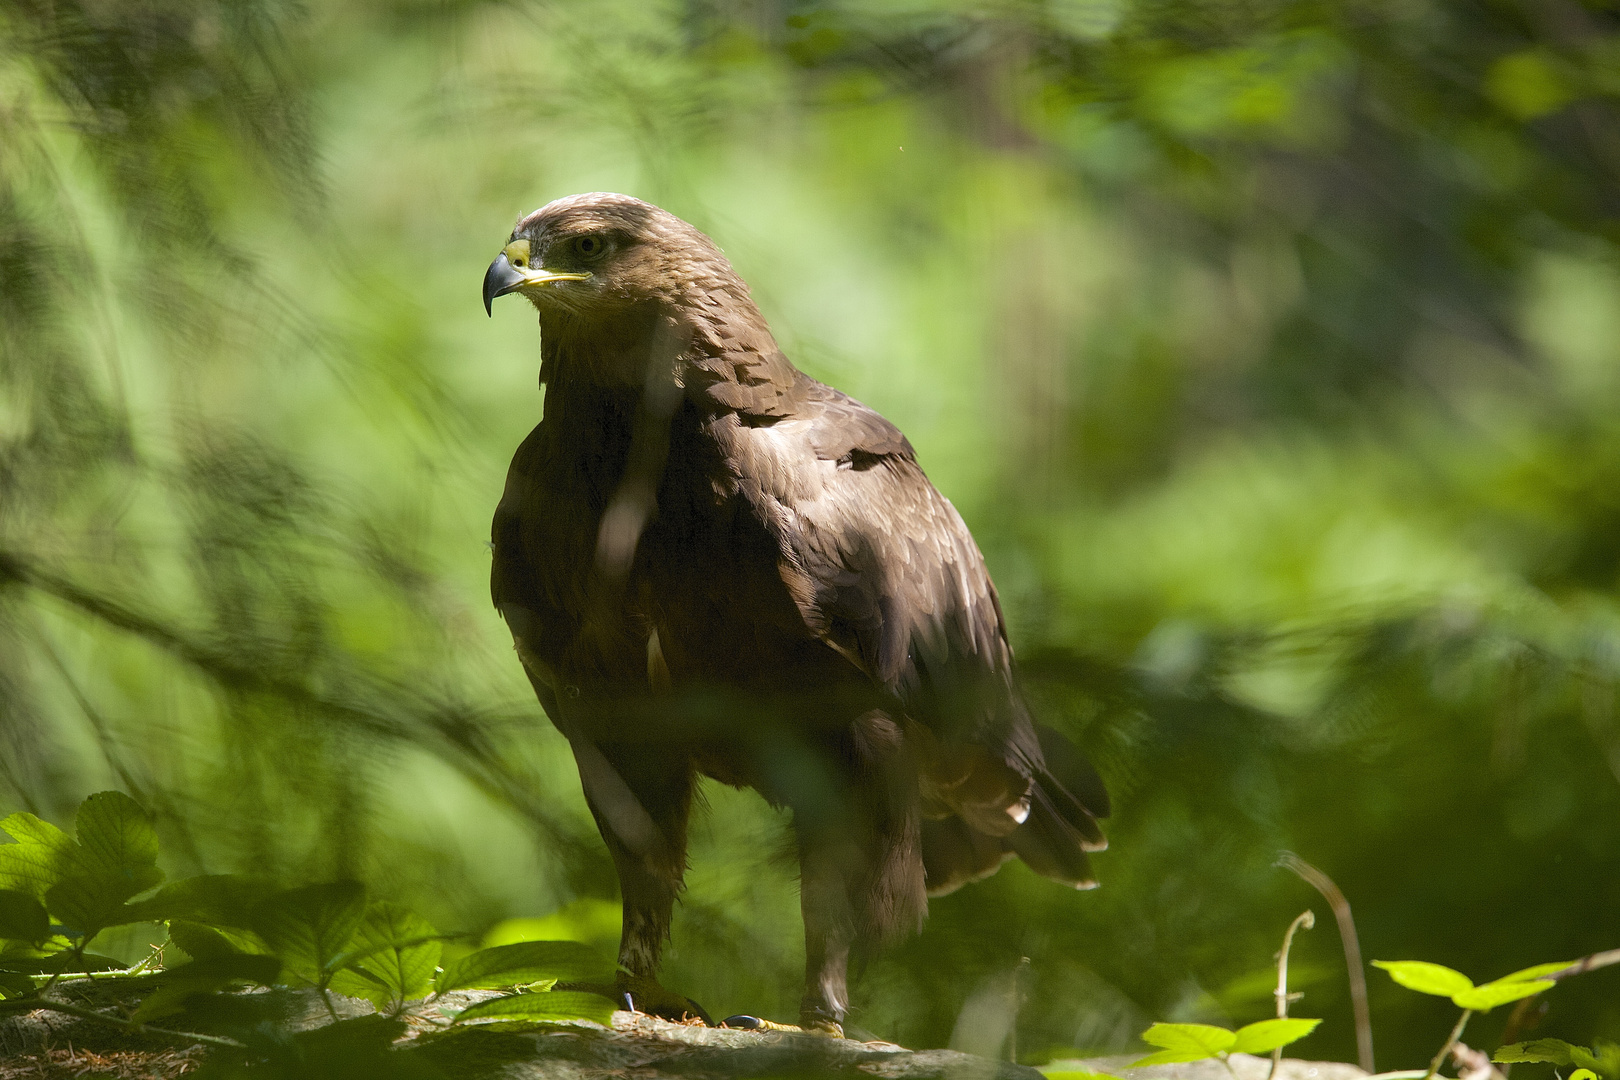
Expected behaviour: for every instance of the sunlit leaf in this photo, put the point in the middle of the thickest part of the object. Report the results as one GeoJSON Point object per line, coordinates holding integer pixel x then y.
{"type": "Point", "coordinates": [116, 838]}
{"type": "Point", "coordinates": [1537, 972]}
{"type": "Point", "coordinates": [1185, 1042]}
{"type": "Point", "coordinates": [552, 1006]}
{"type": "Point", "coordinates": [520, 963]}
{"type": "Point", "coordinates": [1426, 978]}
{"type": "Point", "coordinates": [1551, 1051]}
{"type": "Point", "coordinates": [1266, 1035]}
{"type": "Point", "coordinates": [1490, 995]}
{"type": "Point", "coordinates": [42, 855]}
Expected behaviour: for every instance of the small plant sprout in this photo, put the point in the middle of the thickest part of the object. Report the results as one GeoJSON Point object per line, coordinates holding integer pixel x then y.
{"type": "Point", "coordinates": [1304, 921]}
{"type": "Point", "coordinates": [1195, 1042]}
{"type": "Point", "coordinates": [1445, 982]}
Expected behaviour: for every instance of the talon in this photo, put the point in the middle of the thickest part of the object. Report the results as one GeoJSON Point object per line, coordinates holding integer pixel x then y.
{"type": "Point", "coordinates": [744, 1022]}
{"type": "Point", "coordinates": [629, 1002]}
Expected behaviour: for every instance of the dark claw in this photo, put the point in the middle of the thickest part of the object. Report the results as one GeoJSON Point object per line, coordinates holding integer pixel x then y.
{"type": "Point", "coordinates": [746, 1023]}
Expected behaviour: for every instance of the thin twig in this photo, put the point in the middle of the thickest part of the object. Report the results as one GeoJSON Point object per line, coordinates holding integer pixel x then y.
{"type": "Point", "coordinates": [1456, 1033]}
{"type": "Point", "coordinates": [1352, 950]}
{"type": "Point", "coordinates": [1306, 919]}
{"type": "Point", "coordinates": [1585, 964]}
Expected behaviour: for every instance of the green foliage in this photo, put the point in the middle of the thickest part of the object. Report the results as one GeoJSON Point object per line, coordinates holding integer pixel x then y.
{"type": "Point", "coordinates": [550, 1007]}
{"type": "Point", "coordinates": [1602, 1060]}
{"type": "Point", "coordinates": [242, 932]}
{"type": "Point", "coordinates": [1194, 1042]}
{"type": "Point", "coordinates": [522, 962]}
{"type": "Point", "coordinates": [1269, 349]}
{"type": "Point", "coordinates": [1441, 981]}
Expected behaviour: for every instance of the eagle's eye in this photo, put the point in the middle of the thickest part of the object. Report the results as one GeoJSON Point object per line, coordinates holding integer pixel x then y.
{"type": "Point", "coordinates": [590, 247]}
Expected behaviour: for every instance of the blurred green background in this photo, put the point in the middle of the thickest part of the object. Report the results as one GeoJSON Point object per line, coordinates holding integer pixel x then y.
{"type": "Point", "coordinates": [1271, 348]}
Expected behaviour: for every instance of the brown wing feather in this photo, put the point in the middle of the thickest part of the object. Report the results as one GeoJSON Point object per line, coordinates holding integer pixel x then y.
{"type": "Point", "coordinates": [887, 574]}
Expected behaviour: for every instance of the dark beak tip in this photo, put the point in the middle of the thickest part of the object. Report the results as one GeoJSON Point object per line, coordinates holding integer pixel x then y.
{"type": "Point", "coordinates": [501, 278]}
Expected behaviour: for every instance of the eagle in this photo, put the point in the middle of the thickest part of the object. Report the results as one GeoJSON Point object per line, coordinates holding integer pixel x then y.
{"type": "Point", "coordinates": [713, 565]}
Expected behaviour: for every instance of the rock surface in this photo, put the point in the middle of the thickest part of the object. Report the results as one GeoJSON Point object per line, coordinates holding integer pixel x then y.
{"type": "Point", "coordinates": [637, 1045]}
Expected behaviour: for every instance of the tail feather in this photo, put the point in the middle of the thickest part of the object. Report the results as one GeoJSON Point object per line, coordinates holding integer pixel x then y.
{"type": "Point", "coordinates": [1053, 848]}
{"type": "Point", "coordinates": [954, 854]}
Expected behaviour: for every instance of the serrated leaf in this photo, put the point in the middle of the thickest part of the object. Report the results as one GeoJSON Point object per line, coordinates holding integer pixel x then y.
{"type": "Point", "coordinates": [551, 1007]}
{"type": "Point", "coordinates": [210, 899]}
{"type": "Point", "coordinates": [1550, 1051]}
{"type": "Point", "coordinates": [402, 950]}
{"type": "Point", "coordinates": [22, 917]}
{"type": "Point", "coordinates": [42, 855]}
{"type": "Point", "coordinates": [309, 928]}
{"type": "Point", "coordinates": [1487, 997]}
{"type": "Point", "coordinates": [90, 903]}
{"type": "Point", "coordinates": [1185, 1042]}
{"type": "Point", "coordinates": [1537, 972]}
{"type": "Point", "coordinates": [175, 986]}
{"type": "Point", "coordinates": [1266, 1035]}
{"type": "Point", "coordinates": [201, 942]}
{"type": "Point", "coordinates": [116, 837]}
{"type": "Point", "coordinates": [1426, 978]}
{"type": "Point", "coordinates": [520, 963]}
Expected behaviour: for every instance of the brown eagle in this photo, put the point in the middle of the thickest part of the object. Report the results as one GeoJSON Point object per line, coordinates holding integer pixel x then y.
{"type": "Point", "coordinates": [714, 565]}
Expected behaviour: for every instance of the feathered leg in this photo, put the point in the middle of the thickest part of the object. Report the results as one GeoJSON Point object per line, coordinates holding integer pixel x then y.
{"type": "Point", "coordinates": [861, 876]}
{"type": "Point", "coordinates": [642, 803]}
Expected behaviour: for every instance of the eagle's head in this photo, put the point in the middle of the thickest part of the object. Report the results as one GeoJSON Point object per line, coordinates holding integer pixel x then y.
{"type": "Point", "coordinates": [596, 255]}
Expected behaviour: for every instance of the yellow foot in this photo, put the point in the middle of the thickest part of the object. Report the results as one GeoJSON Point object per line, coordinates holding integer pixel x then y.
{"type": "Point", "coordinates": [745, 1022]}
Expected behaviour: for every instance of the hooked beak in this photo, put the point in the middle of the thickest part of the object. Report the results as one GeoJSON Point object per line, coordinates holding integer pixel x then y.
{"type": "Point", "coordinates": [503, 276]}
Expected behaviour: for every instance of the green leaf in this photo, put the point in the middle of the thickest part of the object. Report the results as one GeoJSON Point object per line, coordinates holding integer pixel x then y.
{"type": "Point", "coordinates": [1583, 1074]}
{"type": "Point", "coordinates": [1489, 996]}
{"type": "Point", "coordinates": [116, 838]}
{"type": "Point", "coordinates": [51, 963]}
{"type": "Point", "coordinates": [519, 963]}
{"type": "Point", "coordinates": [42, 855]}
{"type": "Point", "coordinates": [211, 899]}
{"type": "Point", "coordinates": [1536, 972]}
{"type": "Point", "coordinates": [22, 918]}
{"type": "Point", "coordinates": [395, 953]}
{"type": "Point", "coordinates": [1185, 1042]}
{"type": "Point", "coordinates": [1551, 1051]}
{"type": "Point", "coordinates": [1426, 978]}
{"type": "Point", "coordinates": [173, 987]}
{"type": "Point", "coordinates": [89, 903]}
{"type": "Point", "coordinates": [550, 1007]}
{"type": "Point", "coordinates": [14, 984]}
{"type": "Point", "coordinates": [1266, 1035]}
{"type": "Point", "coordinates": [309, 928]}
{"type": "Point", "coordinates": [201, 942]}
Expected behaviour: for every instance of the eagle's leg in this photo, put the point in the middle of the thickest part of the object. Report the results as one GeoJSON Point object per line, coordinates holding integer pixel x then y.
{"type": "Point", "coordinates": [860, 863]}
{"type": "Point", "coordinates": [829, 927]}
{"type": "Point", "coordinates": [650, 874]}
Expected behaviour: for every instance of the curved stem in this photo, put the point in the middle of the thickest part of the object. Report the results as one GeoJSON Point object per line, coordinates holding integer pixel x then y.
{"type": "Point", "coordinates": [1456, 1033]}
{"type": "Point", "coordinates": [1306, 919]}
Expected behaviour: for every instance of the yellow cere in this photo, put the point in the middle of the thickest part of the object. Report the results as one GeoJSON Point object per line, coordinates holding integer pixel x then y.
{"type": "Point", "coordinates": [517, 253]}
